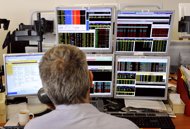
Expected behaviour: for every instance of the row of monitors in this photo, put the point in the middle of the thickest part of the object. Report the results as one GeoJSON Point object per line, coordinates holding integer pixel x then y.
{"type": "Point", "coordinates": [142, 77]}
{"type": "Point", "coordinates": [102, 29]}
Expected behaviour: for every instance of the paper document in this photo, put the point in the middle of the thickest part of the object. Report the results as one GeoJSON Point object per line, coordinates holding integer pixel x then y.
{"type": "Point", "coordinates": [175, 98]}
{"type": "Point", "coordinates": [148, 104]}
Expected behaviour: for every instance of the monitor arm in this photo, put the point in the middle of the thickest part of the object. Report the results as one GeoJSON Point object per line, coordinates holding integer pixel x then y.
{"type": "Point", "coordinates": [31, 32]}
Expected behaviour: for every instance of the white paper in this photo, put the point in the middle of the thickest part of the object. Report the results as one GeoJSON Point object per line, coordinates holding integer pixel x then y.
{"type": "Point", "coordinates": [149, 104]}
{"type": "Point", "coordinates": [175, 98]}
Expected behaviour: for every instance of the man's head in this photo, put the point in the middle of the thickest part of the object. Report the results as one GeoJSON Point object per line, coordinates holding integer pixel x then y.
{"type": "Point", "coordinates": [65, 76]}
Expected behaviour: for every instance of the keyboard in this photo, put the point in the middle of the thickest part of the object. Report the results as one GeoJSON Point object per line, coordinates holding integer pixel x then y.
{"type": "Point", "coordinates": [148, 120]}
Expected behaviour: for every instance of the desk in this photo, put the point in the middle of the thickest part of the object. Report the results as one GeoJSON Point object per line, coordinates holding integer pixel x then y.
{"type": "Point", "coordinates": [181, 122]}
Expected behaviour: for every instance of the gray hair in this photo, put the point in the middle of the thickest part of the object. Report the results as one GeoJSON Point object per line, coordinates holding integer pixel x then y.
{"type": "Point", "coordinates": [64, 74]}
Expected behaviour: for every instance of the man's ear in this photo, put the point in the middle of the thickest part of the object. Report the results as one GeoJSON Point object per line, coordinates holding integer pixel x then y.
{"type": "Point", "coordinates": [91, 78]}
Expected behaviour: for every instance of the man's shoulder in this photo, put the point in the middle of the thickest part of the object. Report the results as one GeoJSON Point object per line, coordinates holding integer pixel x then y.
{"type": "Point", "coordinates": [37, 121]}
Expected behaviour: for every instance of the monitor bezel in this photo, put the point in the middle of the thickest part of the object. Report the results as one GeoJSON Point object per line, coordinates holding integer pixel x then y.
{"type": "Point", "coordinates": [143, 97]}
{"type": "Point", "coordinates": [5, 73]}
{"type": "Point", "coordinates": [112, 86]}
{"type": "Point", "coordinates": [91, 50]}
{"type": "Point", "coordinates": [144, 52]}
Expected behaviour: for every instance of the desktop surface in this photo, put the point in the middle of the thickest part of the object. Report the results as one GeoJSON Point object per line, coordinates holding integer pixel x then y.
{"type": "Point", "coordinates": [142, 120]}
{"type": "Point", "coordinates": [181, 121]}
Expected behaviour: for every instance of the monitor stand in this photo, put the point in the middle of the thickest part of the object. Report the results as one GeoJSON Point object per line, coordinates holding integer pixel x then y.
{"type": "Point", "coordinates": [98, 103]}
{"type": "Point", "coordinates": [35, 106]}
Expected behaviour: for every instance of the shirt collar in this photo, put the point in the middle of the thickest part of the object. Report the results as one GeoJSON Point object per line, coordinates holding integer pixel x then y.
{"type": "Point", "coordinates": [82, 107]}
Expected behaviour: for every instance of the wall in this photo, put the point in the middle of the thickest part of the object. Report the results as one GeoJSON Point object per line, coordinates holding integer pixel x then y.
{"type": "Point", "coordinates": [19, 11]}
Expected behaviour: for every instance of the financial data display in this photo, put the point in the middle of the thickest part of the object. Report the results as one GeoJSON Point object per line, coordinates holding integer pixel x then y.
{"type": "Point", "coordinates": [138, 31]}
{"type": "Point", "coordinates": [90, 29]}
{"type": "Point", "coordinates": [142, 77]}
{"type": "Point", "coordinates": [22, 74]}
{"type": "Point", "coordinates": [102, 67]}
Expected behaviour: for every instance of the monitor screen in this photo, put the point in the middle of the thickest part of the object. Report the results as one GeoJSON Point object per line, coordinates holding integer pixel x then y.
{"type": "Point", "coordinates": [147, 32]}
{"type": "Point", "coordinates": [102, 68]}
{"type": "Point", "coordinates": [142, 77]}
{"type": "Point", "coordinates": [23, 79]}
{"type": "Point", "coordinates": [89, 28]}
{"type": "Point", "coordinates": [22, 74]}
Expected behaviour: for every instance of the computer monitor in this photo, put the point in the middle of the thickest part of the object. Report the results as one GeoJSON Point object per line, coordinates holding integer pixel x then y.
{"type": "Point", "coordinates": [23, 79]}
{"type": "Point", "coordinates": [89, 28]}
{"type": "Point", "coordinates": [22, 74]}
{"type": "Point", "coordinates": [142, 77]}
{"type": "Point", "coordinates": [102, 67]}
{"type": "Point", "coordinates": [146, 32]}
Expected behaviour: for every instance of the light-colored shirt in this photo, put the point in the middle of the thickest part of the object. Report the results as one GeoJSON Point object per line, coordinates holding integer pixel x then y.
{"type": "Point", "coordinates": [79, 116]}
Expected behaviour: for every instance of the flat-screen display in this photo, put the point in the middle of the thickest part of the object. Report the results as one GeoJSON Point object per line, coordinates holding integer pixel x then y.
{"type": "Point", "coordinates": [102, 67]}
{"type": "Point", "coordinates": [146, 32]}
{"type": "Point", "coordinates": [22, 74]}
{"type": "Point", "coordinates": [142, 77]}
{"type": "Point", "coordinates": [23, 79]}
{"type": "Point", "coordinates": [89, 28]}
